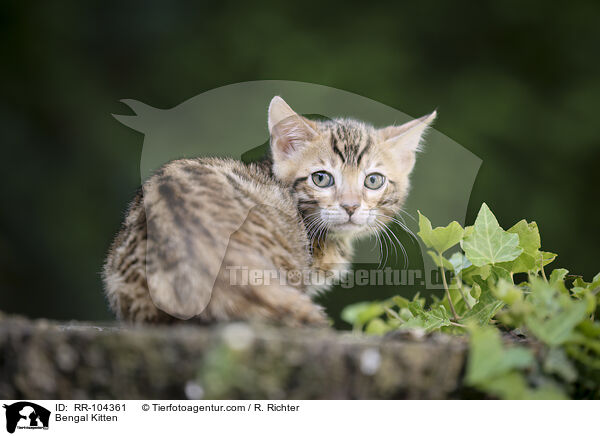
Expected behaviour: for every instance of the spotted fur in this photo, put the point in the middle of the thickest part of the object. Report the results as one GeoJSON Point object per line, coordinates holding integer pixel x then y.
{"type": "Point", "coordinates": [196, 220]}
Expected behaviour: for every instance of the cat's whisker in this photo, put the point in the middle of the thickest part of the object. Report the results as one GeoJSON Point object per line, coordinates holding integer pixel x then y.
{"type": "Point", "coordinates": [314, 236]}
{"type": "Point", "coordinates": [386, 233]}
{"type": "Point", "coordinates": [311, 234]}
{"type": "Point", "coordinates": [408, 214]}
{"type": "Point", "coordinates": [378, 236]}
{"type": "Point", "coordinates": [310, 217]}
{"type": "Point", "coordinates": [391, 234]}
{"type": "Point", "coordinates": [400, 223]}
{"type": "Point", "coordinates": [383, 243]}
{"type": "Point", "coordinates": [404, 253]}
{"type": "Point", "coordinates": [321, 231]}
{"type": "Point", "coordinates": [313, 222]}
{"type": "Point", "coordinates": [386, 230]}
{"type": "Point", "coordinates": [315, 228]}
{"type": "Point", "coordinates": [373, 233]}
{"type": "Point", "coordinates": [327, 227]}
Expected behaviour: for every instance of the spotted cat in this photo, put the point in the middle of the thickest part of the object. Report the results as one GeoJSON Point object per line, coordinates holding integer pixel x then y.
{"type": "Point", "coordinates": [197, 222]}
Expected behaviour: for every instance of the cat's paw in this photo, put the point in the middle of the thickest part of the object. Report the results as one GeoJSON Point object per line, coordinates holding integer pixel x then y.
{"type": "Point", "coordinates": [312, 316]}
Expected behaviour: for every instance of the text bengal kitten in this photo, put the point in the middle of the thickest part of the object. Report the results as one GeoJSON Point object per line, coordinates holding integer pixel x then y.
{"type": "Point", "coordinates": [196, 222]}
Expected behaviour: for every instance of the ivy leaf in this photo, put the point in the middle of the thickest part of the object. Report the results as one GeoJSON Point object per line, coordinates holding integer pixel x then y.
{"type": "Point", "coordinates": [555, 316]}
{"type": "Point", "coordinates": [440, 261]}
{"type": "Point", "coordinates": [529, 241]}
{"type": "Point", "coordinates": [592, 286]}
{"type": "Point", "coordinates": [401, 302]}
{"type": "Point", "coordinates": [513, 386]}
{"type": "Point", "coordinates": [488, 359]}
{"type": "Point", "coordinates": [544, 258]}
{"type": "Point", "coordinates": [459, 262]}
{"type": "Point", "coordinates": [440, 238]}
{"type": "Point", "coordinates": [557, 280]}
{"type": "Point", "coordinates": [557, 330]}
{"type": "Point", "coordinates": [429, 320]}
{"type": "Point", "coordinates": [484, 310]}
{"type": "Point", "coordinates": [529, 236]}
{"type": "Point", "coordinates": [507, 292]}
{"type": "Point", "coordinates": [471, 272]}
{"type": "Point", "coordinates": [360, 313]}
{"type": "Point", "coordinates": [377, 326]}
{"type": "Point", "coordinates": [501, 273]}
{"type": "Point", "coordinates": [558, 275]}
{"type": "Point", "coordinates": [460, 304]}
{"type": "Point", "coordinates": [557, 362]}
{"type": "Point", "coordinates": [488, 243]}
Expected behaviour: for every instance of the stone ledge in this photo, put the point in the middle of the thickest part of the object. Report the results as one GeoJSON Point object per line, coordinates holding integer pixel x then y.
{"type": "Point", "coordinates": [43, 359]}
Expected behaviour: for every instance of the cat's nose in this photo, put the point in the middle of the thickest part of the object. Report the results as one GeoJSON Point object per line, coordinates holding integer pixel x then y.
{"type": "Point", "coordinates": [350, 208]}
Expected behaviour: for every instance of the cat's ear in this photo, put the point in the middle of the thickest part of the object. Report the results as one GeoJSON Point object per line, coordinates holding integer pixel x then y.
{"type": "Point", "coordinates": [289, 131]}
{"type": "Point", "coordinates": [404, 141]}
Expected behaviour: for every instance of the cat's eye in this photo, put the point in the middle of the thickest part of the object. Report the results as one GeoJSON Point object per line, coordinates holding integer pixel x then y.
{"type": "Point", "coordinates": [322, 179]}
{"type": "Point", "coordinates": [374, 180]}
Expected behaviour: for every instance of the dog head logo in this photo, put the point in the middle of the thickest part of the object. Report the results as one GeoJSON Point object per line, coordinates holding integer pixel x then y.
{"type": "Point", "coordinates": [26, 415]}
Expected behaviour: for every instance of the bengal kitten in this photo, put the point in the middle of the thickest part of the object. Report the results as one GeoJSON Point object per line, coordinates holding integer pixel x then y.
{"type": "Point", "coordinates": [196, 222]}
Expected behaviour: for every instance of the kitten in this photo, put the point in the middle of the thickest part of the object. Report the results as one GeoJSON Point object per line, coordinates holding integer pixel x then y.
{"type": "Point", "coordinates": [196, 222]}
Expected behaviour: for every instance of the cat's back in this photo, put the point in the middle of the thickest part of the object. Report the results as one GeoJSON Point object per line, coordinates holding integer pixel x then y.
{"type": "Point", "coordinates": [195, 215]}
{"type": "Point", "coordinates": [212, 193]}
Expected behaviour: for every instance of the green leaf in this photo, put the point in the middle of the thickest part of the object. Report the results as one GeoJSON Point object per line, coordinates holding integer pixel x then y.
{"type": "Point", "coordinates": [513, 386]}
{"type": "Point", "coordinates": [440, 261]}
{"type": "Point", "coordinates": [590, 328]}
{"type": "Point", "coordinates": [558, 275]}
{"type": "Point", "coordinates": [405, 314]}
{"type": "Point", "coordinates": [400, 301]}
{"type": "Point", "coordinates": [457, 297]}
{"type": "Point", "coordinates": [377, 326]}
{"type": "Point", "coordinates": [544, 259]}
{"type": "Point", "coordinates": [557, 330]}
{"type": "Point", "coordinates": [529, 236]}
{"type": "Point", "coordinates": [592, 286]}
{"type": "Point", "coordinates": [509, 386]}
{"type": "Point", "coordinates": [557, 362]}
{"type": "Point", "coordinates": [429, 320]}
{"type": "Point", "coordinates": [418, 299]}
{"type": "Point", "coordinates": [484, 310]}
{"type": "Point", "coordinates": [440, 238]}
{"type": "Point", "coordinates": [501, 273]}
{"type": "Point", "coordinates": [469, 274]}
{"type": "Point", "coordinates": [488, 243]}
{"type": "Point", "coordinates": [360, 313]}
{"type": "Point", "coordinates": [488, 359]}
{"type": "Point", "coordinates": [561, 323]}
{"type": "Point", "coordinates": [555, 316]}
{"type": "Point", "coordinates": [507, 292]}
{"type": "Point", "coordinates": [557, 280]}
{"type": "Point", "coordinates": [459, 262]}
{"type": "Point", "coordinates": [529, 241]}
{"type": "Point", "coordinates": [476, 291]}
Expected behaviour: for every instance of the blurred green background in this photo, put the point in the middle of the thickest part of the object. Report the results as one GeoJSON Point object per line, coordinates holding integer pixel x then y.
{"type": "Point", "coordinates": [517, 83]}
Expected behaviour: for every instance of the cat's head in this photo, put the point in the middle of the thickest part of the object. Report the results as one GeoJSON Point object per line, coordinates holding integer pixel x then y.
{"type": "Point", "coordinates": [349, 177]}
